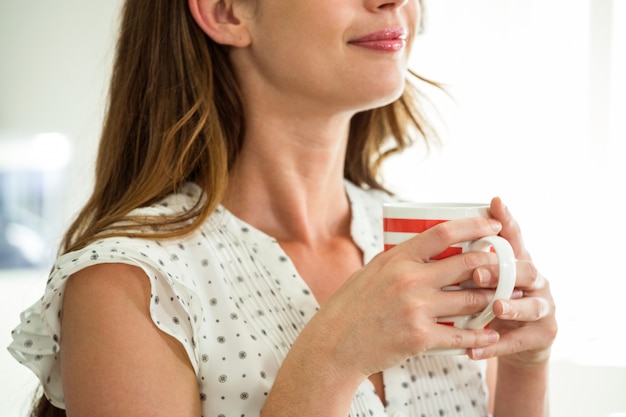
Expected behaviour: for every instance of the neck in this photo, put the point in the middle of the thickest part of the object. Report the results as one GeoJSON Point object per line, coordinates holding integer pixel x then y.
{"type": "Point", "coordinates": [288, 180]}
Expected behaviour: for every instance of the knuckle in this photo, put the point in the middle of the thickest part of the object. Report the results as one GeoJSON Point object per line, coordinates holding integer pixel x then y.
{"type": "Point", "coordinates": [402, 280]}
{"type": "Point", "coordinates": [518, 345]}
{"type": "Point", "coordinates": [419, 334]}
{"type": "Point", "coordinates": [414, 313]}
{"type": "Point", "coordinates": [456, 340]}
{"type": "Point", "coordinates": [474, 299]}
{"type": "Point", "coordinates": [553, 330]}
{"type": "Point", "coordinates": [443, 231]}
{"type": "Point", "coordinates": [546, 284]}
{"type": "Point", "coordinates": [539, 309]}
{"type": "Point", "coordinates": [473, 260]}
{"type": "Point", "coordinates": [533, 275]}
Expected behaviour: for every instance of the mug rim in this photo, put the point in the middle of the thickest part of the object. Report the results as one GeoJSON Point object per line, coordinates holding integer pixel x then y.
{"type": "Point", "coordinates": [435, 210]}
{"type": "Point", "coordinates": [443, 205]}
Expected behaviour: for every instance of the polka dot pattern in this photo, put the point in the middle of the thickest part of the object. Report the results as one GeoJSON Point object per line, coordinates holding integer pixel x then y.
{"type": "Point", "coordinates": [232, 297]}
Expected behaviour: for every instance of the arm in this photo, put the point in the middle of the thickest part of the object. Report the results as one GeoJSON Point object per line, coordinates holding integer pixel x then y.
{"type": "Point", "coordinates": [521, 391]}
{"type": "Point", "coordinates": [312, 379]}
{"type": "Point", "coordinates": [515, 388]}
{"type": "Point", "coordinates": [114, 360]}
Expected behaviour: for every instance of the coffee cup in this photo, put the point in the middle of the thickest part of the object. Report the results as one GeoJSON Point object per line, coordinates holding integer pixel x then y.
{"type": "Point", "coordinates": [404, 220]}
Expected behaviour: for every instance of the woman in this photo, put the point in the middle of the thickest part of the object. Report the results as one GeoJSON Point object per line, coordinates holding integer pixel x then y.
{"type": "Point", "coordinates": [227, 263]}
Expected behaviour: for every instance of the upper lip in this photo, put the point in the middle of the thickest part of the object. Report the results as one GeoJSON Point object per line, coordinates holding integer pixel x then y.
{"type": "Point", "coordinates": [390, 33]}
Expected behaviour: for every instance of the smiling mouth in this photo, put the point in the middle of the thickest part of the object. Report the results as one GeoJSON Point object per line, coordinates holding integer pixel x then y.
{"type": "Point", "coordinates": [386, 40]}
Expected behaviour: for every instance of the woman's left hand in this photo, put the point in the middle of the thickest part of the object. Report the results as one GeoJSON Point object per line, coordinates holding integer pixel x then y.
{"type": "Point", "coordinates": [527, 324]}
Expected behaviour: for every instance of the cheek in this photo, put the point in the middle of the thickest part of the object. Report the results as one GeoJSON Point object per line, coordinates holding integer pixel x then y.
{"type": "Point", "coordinates": [413, 18]}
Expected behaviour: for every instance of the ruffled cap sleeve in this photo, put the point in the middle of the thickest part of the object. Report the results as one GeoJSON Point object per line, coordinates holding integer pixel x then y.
{"type": "Point", "coordinates": [174, 305]}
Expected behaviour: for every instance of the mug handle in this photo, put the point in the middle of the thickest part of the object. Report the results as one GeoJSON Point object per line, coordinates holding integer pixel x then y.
{"type": "Point", "coordinates": [506, 281]}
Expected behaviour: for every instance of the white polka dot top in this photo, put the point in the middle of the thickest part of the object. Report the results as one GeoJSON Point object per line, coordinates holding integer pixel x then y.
{"type": "Point", "coordinates": [231, 296]}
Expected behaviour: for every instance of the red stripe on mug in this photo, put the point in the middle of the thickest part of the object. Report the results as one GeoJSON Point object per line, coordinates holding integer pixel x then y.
{"type": "Point", "coordinates": [408, 225]}
{"type": "Point", "coordinates": [452, 250]}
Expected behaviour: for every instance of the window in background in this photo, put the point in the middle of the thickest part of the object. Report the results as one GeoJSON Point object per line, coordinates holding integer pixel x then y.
{"type": "Point", "coordinates": [31, 178]}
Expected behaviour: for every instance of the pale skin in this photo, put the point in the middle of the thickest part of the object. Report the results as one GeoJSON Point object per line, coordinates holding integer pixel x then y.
{"type": "Point", "coordinates": [300, 132]}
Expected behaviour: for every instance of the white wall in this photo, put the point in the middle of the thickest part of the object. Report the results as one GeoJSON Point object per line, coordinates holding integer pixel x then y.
{"type": "Point", "coordinates": [530, 79]}
{"type": "Point", "coordinates": [54, 64]}
{"type": "Point", "coordinates": [538, 119]}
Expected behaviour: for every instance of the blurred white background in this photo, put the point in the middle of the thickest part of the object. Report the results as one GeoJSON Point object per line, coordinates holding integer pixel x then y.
{"type": "Point", "coordinates": [538, 118]}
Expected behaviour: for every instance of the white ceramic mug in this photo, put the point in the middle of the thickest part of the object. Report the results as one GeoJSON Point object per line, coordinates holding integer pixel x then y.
{"type": "Point", "coordinates": [404, 220]}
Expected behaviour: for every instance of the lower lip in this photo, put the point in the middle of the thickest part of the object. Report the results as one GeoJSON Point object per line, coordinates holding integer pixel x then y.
{"type": "Point", "coordinates": [387, 45]}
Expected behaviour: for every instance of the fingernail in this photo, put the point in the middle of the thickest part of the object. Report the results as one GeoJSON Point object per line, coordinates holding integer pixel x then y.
{"type": "Point", "coordinates": [483, 276]}
{"type": "Point", "coordinates": [477, 353]}
{"type": "Point", "coordinates": [506, 308]}
{"type": "Point", "coordinates": [495, 225]}
{"type": "Point", "coordinates": [517, 294]}
{"type": "Point", "coordinates": [493, 336]}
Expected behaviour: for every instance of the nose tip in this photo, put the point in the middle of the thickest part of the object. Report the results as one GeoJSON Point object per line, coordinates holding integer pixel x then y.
{"type": "Point", "coordinates": [393, 3]}
{"type": "Point", "coordinates": [388, 4]}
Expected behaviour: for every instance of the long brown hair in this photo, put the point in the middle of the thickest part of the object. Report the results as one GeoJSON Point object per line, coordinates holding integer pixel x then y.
{"type": "Point", "coordinates": [175, 115]}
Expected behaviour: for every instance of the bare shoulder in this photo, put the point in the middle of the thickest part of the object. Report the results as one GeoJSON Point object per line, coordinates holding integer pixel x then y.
{"type": "Point", "coordinates": [109, 281]}
{"type": "Point", "coordinates": [114, 360]}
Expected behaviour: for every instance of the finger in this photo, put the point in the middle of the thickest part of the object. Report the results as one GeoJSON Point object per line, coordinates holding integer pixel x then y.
{"type": "Point", "coordinates": [527, 309]}
{"type": "Point", "coordinates": [457, 268]}
{"type": "Point", "coordinates": [461, 302]}
{"type": "Point", "coordinates": [510, 228]}
{"type": "Point", "coordinates": [500, 212]}
{"type": "Point", "coordinates": [447, 337]}
{"type": "Point", "coordinates": [527, 276]}
{"type": "Point", "coordinates": [534, 344]}
{"type": "Point", "coordinates": [437, 239]}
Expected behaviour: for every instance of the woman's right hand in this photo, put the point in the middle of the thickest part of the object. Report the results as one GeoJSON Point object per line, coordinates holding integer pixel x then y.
{"type": "Point", "coordinates": [388, 310]}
